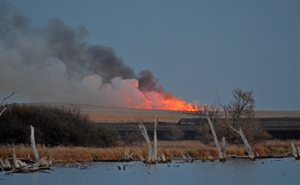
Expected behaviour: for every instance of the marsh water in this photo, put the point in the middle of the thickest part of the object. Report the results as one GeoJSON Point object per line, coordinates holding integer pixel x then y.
{"type": "Point", "coordinates": [233, 171]}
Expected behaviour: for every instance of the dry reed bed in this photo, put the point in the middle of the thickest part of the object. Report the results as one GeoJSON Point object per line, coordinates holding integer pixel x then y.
{"type": "Point", "coordinates": [171, 149]}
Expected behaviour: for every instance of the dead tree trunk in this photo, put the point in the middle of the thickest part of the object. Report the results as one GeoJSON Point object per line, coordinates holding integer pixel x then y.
{"type": "Point", "coordinates": [295, 153]}
{"type": "Point", "coordinates": [248, 147]}
{"type": "Point", "coordinates": [223, 147]}
{"type": "Point", "coordinates": [16, 164]}
{"type": "Point", "coordinates": [184, 158]}
{"type": "Point", "coordinates": [155, 140]}
{"type": "Point", "coordinates": [7, 164]}
{"type": "Point", "coordinates": [33, 146]}
{"type": "Point", "coordinates": [128, 157]}
{"type": "Point", "coordinates": [221, 154]}
{"type": "Point", "coordinates": [41, 164]}
{"type": "Point", "coordinates": [209, 156]}
{"type": "Point", "coordinates": [152, 156]}
{"type": "Point", "coordinates": [163, 157]}
{"type": "Point", "coordinates": [144, 132]}
{"type": "Point", "coordinates": [142, 158]}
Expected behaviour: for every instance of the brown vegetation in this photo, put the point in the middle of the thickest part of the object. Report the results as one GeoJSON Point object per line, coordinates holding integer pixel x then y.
{"type": "Point", "coordinates": [126, 118]}
{"type": "Point", "coordinates": [171, 149]}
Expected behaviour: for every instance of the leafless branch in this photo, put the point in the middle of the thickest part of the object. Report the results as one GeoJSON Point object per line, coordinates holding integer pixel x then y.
{"type": "Point", "coordinates": [8, 97]}
{"type": "Point", "coordinates": [2, 111]}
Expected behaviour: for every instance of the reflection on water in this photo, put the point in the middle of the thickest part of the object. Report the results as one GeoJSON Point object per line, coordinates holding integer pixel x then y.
{"type": "Point", "coordinates": [234, 171]}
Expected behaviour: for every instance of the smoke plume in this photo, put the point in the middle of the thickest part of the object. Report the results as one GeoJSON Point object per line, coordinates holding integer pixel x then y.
{"type": "Point", "coordinates": [55, 63]}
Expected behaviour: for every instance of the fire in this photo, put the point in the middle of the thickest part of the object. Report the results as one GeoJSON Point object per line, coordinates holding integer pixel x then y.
{"type": "Point", "coordinates": [125, 93]}
{"type": "Point", "coordinates": [165, 101]}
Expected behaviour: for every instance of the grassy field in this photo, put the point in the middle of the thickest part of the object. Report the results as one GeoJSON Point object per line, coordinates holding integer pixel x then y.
{"type": "Point", "coordinates": [118, 114]}
{"type": "Point", "coordinates": [126, 118]}
{"type": "Point", "coordinates": [171, 149]}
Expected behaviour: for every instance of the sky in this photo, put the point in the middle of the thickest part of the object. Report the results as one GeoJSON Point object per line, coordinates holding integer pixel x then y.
{"type": "Point", "coordinates": [195, 48]}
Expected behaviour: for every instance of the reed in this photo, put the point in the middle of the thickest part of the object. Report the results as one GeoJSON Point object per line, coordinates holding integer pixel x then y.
{"type": "Point", "coordinates": [171, 149]}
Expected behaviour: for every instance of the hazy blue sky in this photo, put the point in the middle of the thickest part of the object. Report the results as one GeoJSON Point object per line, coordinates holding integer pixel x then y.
{"type": "Point", "coordinates": [196, 48]}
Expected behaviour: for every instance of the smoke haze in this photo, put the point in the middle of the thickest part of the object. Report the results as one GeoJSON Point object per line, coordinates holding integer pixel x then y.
{"type": "Point", "coordinates": [55, 63]}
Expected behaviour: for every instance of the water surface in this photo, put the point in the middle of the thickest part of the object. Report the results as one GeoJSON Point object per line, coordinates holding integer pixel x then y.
{"type": "Point", "coordinates": [233, 171]}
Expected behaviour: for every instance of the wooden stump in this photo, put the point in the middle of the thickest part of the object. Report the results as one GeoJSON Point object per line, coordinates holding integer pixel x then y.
{"type": "Point", "coordinates": [184, 158]}
{"type": "Point", "coordinates": [209, 157]}
{"type": "Point", "coordinates": [16, 164]}
{"type": "Point", "coordinates": [7, 164]}
{"type": "Point", "coordinates": [295, 152]}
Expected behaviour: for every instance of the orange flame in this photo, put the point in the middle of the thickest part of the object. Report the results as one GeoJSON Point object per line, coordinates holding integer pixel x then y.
{"type": "Point", "coordinates": [156, 100]}
{"type": "Point", "coordinates": [125, 93]}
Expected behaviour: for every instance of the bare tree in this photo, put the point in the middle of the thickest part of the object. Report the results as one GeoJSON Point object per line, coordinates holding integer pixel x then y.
{"type": "Point", "coordinates": [240, 114]}
{"type": "Point", "coordinates": [1, 112]}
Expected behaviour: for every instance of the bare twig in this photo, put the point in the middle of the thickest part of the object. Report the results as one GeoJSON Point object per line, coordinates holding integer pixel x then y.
{"type": "Point", "coordinates": [8, 97]}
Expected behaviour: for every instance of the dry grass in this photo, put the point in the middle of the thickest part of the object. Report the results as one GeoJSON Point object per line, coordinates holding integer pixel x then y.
{"type": "Point", "coordinates": [125, 118]}
{"type": "Point", "coordinates": [171, 149]}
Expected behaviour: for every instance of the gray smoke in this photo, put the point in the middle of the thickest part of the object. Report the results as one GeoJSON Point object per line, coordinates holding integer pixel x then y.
{"type": "Point", "coordinates": [55, 63]}
{"type": "Point", "coordinates": [148, 82]}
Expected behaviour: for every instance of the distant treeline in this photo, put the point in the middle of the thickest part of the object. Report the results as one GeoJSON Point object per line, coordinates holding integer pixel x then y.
{"type": "Point", "coordinates": [53, 126]}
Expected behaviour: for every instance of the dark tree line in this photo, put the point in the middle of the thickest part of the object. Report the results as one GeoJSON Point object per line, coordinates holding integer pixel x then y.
{"type": "Point", "coordinates": [53, 126]}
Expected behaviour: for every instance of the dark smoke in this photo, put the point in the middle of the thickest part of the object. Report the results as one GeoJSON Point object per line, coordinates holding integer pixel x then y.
{"type": "Point", "coordinates": [148, 82]}
{"type": "Point", "coordinates": [67, 44]}
{"type": "Point", "coordinates": [55, 63]}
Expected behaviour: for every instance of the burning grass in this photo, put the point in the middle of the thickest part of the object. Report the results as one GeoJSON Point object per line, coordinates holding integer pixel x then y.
{"type": "Point", "coordinates": [171, 149]}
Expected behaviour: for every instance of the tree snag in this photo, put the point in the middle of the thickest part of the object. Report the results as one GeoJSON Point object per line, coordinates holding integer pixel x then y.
{"type": "Point", "coordinates": [248, 147]}
{"type": "Point", "coordinates": [295, 152]}
{"type": "Point", "coordinates": [223, 147]}
{"type": "Point", "coordinates": [220, 152]}
{"type": "Point", "coordinates": [7, 163]}
{"type": "Point", "coordinates": [144, 132]}
{"type": "Point", "coordinates": [152, 155]}
{"type": "Point", "coordinates": [33, 146]}
{"type": "Point", "coordinates": [16, 164]}
{"type": "Point", "coordinates": [209, 157]}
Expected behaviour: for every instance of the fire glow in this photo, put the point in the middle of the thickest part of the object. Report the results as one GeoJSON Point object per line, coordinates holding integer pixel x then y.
{"type": "Point", "coordinates": [56, 63]}
{"type": "Point", "coordinates": [130, 96]}
{"type": "Point", "coordinates": [156, 100]}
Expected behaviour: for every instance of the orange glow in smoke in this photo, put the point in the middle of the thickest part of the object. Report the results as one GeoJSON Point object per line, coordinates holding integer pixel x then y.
{"type": "Point", "coordinates": [125, 93]}
{"type": "Point", "coordinates": [156, 100]}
